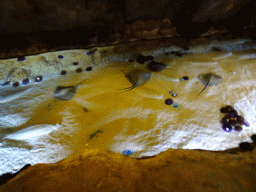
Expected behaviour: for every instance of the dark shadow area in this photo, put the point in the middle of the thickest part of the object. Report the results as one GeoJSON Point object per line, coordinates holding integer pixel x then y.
{"type": "Point", "coordinates": [33, 27]}
{"type": "Point", "coordinates": [4, 178]}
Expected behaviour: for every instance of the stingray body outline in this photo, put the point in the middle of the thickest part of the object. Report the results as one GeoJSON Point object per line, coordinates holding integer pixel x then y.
{"type": "Point", "coordinates": [209, 79]}
{"type": "Point", "coordinates": [137, 77]}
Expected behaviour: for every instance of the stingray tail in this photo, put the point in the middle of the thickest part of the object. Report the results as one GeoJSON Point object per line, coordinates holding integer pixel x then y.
{"type": "Point", "coordinates": [128, 88]}
{"type": "Point", "coordinates": [203, 89]}
{"type": "Point", "coordinates": [79, 84]}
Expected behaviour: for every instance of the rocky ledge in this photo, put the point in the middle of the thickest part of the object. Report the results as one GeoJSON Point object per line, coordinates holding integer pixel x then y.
{"type": "Point", "coordinates": [173, 170]}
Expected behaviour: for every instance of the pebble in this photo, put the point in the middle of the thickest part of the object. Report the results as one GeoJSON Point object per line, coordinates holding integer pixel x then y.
{"type": "Point", "coordinates": [238, 128]}
{"type": "Point", "coordinates": [232, 121]}
{"type": "Point", "coordinates": [79, 70]}
{"type": "Point", "coordinates": [224, 120]}
{"type": "Point", "coordinates": [25, 81]}
{"type": "Point", "coordinates": [226, 109]}
{"type": "Point", "coordinates": [242, 121]}
{"type": "Point", "coordinates": [63, 72]}
{"type": "Point", "coordinates": [233, 113]}
{"type": "Point", "coordinates": [227, 127]}
{"type": "Point", "coordinates": [38, 78]}
{"type": "Point", "coordinates": [16, 84]}
{"type": "Point", "coordinates": [174, 94]}
{"type": "Point", "coordinates": [6, 83]}
{"type": "Point", "coordinates": [168, 101]}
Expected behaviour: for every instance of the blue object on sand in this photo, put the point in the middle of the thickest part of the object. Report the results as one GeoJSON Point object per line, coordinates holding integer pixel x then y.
{"type": "Point", "coordinates": [175, 105]}
{"type": "Point", "coordinates": [127, 152]}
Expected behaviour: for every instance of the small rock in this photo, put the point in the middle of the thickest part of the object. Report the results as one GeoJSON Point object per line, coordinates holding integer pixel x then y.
{"type": "Point", "coordinates": [168, 101]}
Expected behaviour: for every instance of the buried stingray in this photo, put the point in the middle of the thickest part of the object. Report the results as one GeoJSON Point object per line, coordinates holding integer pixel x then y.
{"type": "Point", "coordinates": [137, 77]}
{"type": "Point", "coordinates": [209, 79]}
{"type": "Point", "coordinates": [65, 92]}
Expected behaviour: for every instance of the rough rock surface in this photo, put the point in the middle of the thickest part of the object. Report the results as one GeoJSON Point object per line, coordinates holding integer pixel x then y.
{"type": "Point", "coordinates": [31, 27]}
{"type": "Point", "coordinates": [173, 170]}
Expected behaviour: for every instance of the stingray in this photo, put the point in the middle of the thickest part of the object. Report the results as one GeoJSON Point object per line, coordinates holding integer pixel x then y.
{"type": "Point", "coordinates": [137, 77]}
{"type": "Point", "coordinates": [209, 79]}
{"type": "Point", "coordinates": [65, 92]}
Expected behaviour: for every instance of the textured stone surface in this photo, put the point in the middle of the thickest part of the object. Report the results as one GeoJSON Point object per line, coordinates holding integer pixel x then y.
{"type": "Point", "coordinates": [30, 27]}
{"type": "Point", "coordinates": [173, 170]}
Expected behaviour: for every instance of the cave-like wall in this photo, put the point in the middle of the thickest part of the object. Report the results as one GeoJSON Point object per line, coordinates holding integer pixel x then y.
{"type": "Point", "coordinates": [29, 27]}
{"type": "Point", "coordinates": [173, 170]}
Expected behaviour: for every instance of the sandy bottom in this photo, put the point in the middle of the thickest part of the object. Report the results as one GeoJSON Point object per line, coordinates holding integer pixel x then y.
{"type": "Point", "coordinates": [136, 122]}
